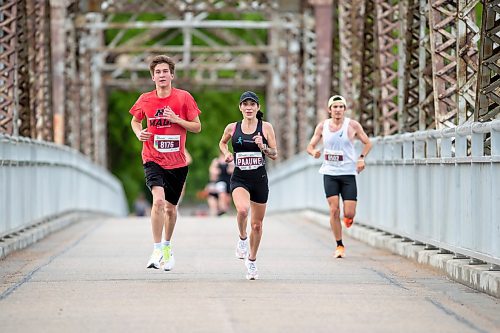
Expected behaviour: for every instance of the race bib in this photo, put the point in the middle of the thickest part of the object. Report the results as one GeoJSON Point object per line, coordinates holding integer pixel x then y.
{"type": "Point", "coordinates": [334, 157]}
{"type": "Point", "coordinates": [249, 160]}
{"type": "Point", "coordinates": [167, 143]}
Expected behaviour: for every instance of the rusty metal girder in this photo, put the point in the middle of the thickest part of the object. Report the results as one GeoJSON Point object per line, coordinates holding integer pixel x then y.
{"type": "Point", "coordinates": [23, 121]}
{"type": "Point", "coordinates": [8, 55]}
{"type": "Point", "coordinates": [369, 91]}
{"type": "Point", "coordinates": [58, 15]}
{"type": "Point", "coordinates": [468, 35]}
{"type": "Point", "coordinates": [38, 87]}
{"type": "Point", "coordinates": [280, 89]}
{"type": "Point", "coordinates": [307, 84]}
{"type": "Point", "coordinates": [388, 46]}
{"type": "Point", "coordinates": [425, 94]}
{"type": "Point", "coordinates": [292, 36]}
{"type": "Point", "coordinates": [411, 108]}
{"type": "Point", "coordinates": [323, 30]}
{"type": "Point", "coordinates": [43, 74]}
{"type": "Point", "coordinates": [335, 87]}
{"type": "Point", "coordinates": [221, 52]}
{"type": "Point", "coordinates": [203, 69]}
{"type": "Point", "coordinates": [285, 84]}
{"type": "Point", "coordinates": [99, 98]}
{"type": "Point", "coordinates": [488, 87]}
{"type": "Point", "coordinates": [273, 85]}
{"type": "Point", "coordinates": [351, 14]}
{"type": "Point", "coordinates": [72, 102]}
{"type": "Point", "coordinates": [31, 35]}
{"type": "Point", "coordinates": [17, 69]}
{"type": "Point", "coordinates": [454, 36]}
{"type": "Point", "coordinates": [443, 45]}
{"type": "Point", "coordinates": [181, 6]}
{"type": "Point", "coordinates": [418, 112]}
{"type": "Point", "coordinates": [84, 55]}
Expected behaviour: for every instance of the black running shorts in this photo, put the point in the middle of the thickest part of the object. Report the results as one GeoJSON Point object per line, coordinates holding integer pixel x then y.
{"type": "Point", "coordinates": [344, 185]}
{"type": "Point", "coordinates": [259, 190]}
{"type": "Point", "coordinates": [172, 180]}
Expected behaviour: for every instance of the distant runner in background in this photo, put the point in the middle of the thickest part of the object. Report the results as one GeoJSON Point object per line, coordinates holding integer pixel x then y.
{"type": "Point", "coordinates": [223, 170]}
{"type": "Point", "coordinates": [340, 164]}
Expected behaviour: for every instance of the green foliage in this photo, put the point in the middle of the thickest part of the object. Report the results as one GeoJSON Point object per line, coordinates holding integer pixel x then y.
{"type": "Point", "coordinates": [124, 150]}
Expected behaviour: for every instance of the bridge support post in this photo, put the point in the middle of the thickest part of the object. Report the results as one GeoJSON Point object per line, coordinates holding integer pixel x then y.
{"type": "Point", "coordinates": [323, 16]}
{"type": "Point", "coordinates": [58, 49]}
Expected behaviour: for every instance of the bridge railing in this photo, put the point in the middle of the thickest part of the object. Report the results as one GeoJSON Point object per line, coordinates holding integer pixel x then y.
{"type": "Point", "coordinates": [41, 180]}
{"type": "Point", "coordinates": [438, 187]}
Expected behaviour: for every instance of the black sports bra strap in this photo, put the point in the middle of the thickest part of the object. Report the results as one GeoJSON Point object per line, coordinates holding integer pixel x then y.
{"type": "Point", "coordinates": [259, 127]}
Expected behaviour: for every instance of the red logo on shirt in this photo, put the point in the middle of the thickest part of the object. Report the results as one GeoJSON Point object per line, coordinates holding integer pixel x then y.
{"type": "Point", "coordinates": [159, 120]}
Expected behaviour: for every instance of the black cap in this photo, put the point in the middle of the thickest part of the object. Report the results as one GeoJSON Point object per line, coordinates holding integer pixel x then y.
{"type": "Point", "coordinates": [249, 95]}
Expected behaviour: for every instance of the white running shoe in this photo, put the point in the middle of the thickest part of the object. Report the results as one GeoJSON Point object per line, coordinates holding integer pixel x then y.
{"type": "Point", "coordinates": [242, 249]}
{"type": "Point", "coordinates": [155, 259]}
{"type": "Point", "coordinates": [252, 273]}
{"type": "Point", "coordinates": [168, 258]}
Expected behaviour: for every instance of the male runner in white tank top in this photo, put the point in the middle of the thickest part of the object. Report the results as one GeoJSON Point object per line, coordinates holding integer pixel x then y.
{"type": "Point", "coordinates": [340, 164]}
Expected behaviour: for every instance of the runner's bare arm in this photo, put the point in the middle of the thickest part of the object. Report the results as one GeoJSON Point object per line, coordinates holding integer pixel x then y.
{"type": "Point", "coordinates": [226, 136]}
{"type": "Point", "coordinates": [140, 133]}
{"type": "Point", "coordinates": [271, 150]}
{"type": "Point", "coordinates": [192, 126]}
{"type": "Point", "coordinates": [367, 145]}
{"type": "Point", "coordinates": [311, 147]}
{"type": "Point", "coordinates": [361, 135]}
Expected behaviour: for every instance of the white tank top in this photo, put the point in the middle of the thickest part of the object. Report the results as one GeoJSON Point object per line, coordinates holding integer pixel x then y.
{"type": "Point", "coordinates": [339, 156]}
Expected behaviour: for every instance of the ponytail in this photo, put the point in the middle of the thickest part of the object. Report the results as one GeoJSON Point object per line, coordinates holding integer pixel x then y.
{"type": "Point", "coordinates": [260, 115]}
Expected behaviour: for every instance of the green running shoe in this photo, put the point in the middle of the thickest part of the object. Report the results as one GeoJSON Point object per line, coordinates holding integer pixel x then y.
{"type": "Point", "coordinates": [168, 258]}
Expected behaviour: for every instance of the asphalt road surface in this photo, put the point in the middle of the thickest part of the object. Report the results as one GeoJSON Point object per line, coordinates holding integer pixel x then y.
{"type": "Point", "coordinates": [91, 277]}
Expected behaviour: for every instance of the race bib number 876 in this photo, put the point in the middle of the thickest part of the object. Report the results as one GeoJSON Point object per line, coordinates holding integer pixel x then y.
{"type": "Point", "coordinates": [167, 143]}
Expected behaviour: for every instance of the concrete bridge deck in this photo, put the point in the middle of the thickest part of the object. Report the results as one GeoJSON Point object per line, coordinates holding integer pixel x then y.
{"type": "Point", "coordinates": [91, 277]}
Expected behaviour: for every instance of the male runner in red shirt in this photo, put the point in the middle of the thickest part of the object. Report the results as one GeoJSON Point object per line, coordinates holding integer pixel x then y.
{"type": "Point", "coordinates": [169, 112]}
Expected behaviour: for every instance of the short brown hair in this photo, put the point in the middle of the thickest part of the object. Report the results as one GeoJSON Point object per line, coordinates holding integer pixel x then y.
{"type": "Point", "coordinates": [161, 59]}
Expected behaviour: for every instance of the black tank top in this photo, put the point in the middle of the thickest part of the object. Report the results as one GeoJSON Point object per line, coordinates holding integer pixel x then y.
{"type": "Point", "coordinates": [223, 173]}
{"type": "Point", "coordinates": [249, 161]}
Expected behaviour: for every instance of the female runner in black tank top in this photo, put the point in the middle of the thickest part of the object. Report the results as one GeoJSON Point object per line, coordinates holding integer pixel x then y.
{"type": "Point", "coordinates": [252, 140]}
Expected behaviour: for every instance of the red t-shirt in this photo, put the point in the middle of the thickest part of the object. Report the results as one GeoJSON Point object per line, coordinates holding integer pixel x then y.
{"type": "Point", "coordinates": [167, 142]}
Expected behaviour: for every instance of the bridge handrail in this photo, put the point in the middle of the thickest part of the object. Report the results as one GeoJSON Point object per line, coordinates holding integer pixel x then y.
{"type": "Point", "coordinates": [438, 187]}
{"type": "Point", "coordinates": [41, 180]}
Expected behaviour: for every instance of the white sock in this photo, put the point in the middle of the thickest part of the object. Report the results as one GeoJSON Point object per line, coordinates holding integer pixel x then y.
{"type": "Point", "coordinates": [165, 243]}
{"type": "Point", "coordinates": [157, 246]}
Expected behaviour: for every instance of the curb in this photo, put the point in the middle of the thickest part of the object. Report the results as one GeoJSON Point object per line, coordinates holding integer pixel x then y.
{"type": "Point", "coordinates": [30, 235]}
{"type": "Point", "coordinates": [475, 276]}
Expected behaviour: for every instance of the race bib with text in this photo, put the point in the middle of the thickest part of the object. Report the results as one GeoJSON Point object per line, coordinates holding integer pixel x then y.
{"type": "Point", "coordinates": [334, 157]}
{"type": "Point", "coordinates": [167, 143]}
{"type": "Point", "coordinates": [249, 160]}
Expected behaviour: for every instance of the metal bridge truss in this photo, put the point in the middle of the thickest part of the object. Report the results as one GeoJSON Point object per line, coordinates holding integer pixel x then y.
{"type": "Point", "coordinates": [350, 21]}
{"type": "Point", "coordinates": [420, 63]}
{"type": "Point", "coordinates": [403, 65]}
{"type": "Point", "coordinates": [488, 98]}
